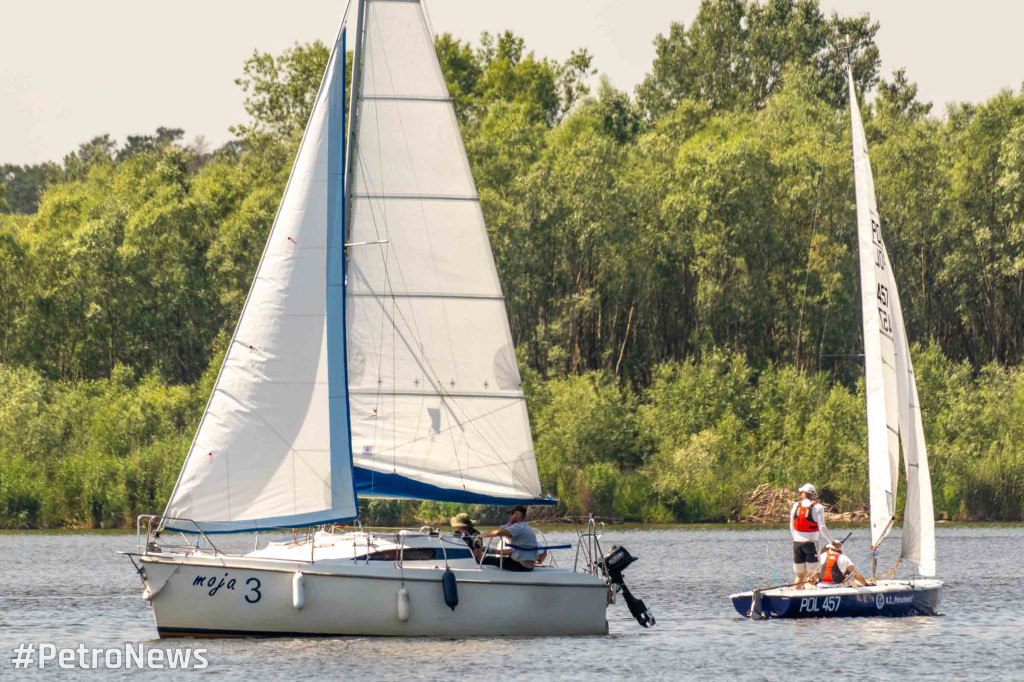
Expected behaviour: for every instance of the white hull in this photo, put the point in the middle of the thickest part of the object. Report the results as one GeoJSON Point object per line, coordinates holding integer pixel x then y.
{"type": "Point", "coordinates": [352, 597]}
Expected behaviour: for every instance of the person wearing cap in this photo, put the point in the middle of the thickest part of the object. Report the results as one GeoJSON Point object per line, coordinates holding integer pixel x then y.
{"type": "Point", "coordinates": [836, 567]}
{"type": "Point", "coordinates": [807, 524]}
{"type": "Point", "coordinates": [518, 533]}
{"type": "Point", "coordinates": [465, 528]}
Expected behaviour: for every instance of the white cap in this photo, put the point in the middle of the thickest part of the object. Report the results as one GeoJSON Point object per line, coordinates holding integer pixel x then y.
{"type": "Point", "coordinates": [809, 489]}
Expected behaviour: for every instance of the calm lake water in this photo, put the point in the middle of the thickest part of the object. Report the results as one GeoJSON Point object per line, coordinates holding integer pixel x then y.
{"type": "Point", "coordinates": [72, 589]}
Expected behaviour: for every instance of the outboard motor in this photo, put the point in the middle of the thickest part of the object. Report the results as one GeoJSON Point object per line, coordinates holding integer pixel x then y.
{"type": "Point", "coordinates": [614, 563]}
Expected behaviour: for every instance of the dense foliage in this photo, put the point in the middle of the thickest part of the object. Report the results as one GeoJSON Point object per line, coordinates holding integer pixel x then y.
{"type": "Point", "coordinates": [679, 267]}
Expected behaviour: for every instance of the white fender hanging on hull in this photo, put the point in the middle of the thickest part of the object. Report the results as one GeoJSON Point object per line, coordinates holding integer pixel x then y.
{"type": "Point", "coordinates": [298, 590]}
{"type": "Point", "coordinates": [403, 605]}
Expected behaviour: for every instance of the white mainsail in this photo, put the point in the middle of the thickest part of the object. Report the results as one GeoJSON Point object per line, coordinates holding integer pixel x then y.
{"type": "Point", "coordinates": [437, 407]}
{"type": "Point", "coordinates": [263, 455]}
{"type": "Point", "coordinates": [894, 413]}
{"type": "Point", "coordinates": [877, 287]}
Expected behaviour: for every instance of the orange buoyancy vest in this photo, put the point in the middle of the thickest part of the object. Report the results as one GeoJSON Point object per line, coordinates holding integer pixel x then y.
{"type": "Point", "coordinates": [803, 520]}
{"type": "Point", "coordinates": [830, 572]}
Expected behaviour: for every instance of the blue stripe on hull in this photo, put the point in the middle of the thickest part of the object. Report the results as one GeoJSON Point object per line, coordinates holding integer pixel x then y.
{"type": "Point", "coordinates": [917, 603]}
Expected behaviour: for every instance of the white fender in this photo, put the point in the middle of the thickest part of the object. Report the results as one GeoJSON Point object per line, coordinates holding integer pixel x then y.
{"type": "Point", "coordinates": [403, 605]}
{"type": "Point", "coordinates": [298, 590]}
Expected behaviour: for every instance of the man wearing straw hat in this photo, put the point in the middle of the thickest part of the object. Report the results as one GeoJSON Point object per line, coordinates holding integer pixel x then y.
{"type": "Point", "coordinates": [465, 528]}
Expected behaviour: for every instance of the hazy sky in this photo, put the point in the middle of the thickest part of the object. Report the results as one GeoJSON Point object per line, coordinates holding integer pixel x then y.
{"type": "Point", "coordinates": [70, 70]}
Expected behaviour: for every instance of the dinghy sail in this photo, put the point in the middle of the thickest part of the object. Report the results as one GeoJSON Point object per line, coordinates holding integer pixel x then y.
{"type": "Point", "coordinates": [894, 413]}
{"type": "Point", "coordinates": [877, 290]}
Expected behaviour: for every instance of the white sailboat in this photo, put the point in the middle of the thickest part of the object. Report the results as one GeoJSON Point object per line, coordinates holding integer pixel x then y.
{"type": "Point", "coordinates": [894, 419]}
{"type": "Point", "coordinates": [372, 357]}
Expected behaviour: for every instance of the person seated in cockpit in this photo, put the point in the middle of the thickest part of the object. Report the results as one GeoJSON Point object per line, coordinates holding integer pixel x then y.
{"type": "Point", "coordinates": [465, 528]}
{"type": "Point", "coordinates": [522, 555]}
{"type": "Point", "coordinates": [836, 567]}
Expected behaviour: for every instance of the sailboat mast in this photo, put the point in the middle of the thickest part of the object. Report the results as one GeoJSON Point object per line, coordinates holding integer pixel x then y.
{"type": "Point", "coordinates": [337, 361]}
{"type": "Point", "coordinates": [353, 111]}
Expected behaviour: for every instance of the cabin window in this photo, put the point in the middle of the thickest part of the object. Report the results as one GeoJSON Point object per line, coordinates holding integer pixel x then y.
{"type": "Point", "coordinates": [416, 554]}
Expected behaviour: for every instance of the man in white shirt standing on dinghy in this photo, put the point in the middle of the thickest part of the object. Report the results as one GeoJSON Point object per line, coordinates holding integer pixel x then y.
{"type": "Point", "coordinates": [807, 524]}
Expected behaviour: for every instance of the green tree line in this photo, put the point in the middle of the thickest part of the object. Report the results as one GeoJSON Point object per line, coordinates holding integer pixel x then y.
{"type": "Point", "coordinates": [679, 265]}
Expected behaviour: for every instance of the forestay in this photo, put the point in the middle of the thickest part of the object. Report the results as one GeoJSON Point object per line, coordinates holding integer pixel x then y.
{"type": "Point", "coordinates": [437, 406]}
{"type": "Point", "coordinates": [877, 289]}
{"type": "Point", "coordinates": [269, 452]}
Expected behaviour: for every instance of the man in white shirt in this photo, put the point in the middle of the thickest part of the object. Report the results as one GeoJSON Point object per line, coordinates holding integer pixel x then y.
{"type": "Point", "coordinates": [807, 524]}
{"type": "Point", "coordinates": [836, 567]}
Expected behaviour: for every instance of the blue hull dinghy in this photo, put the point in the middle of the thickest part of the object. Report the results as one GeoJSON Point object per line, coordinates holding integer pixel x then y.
{"type": "Point", "coordinates": [890, 598]}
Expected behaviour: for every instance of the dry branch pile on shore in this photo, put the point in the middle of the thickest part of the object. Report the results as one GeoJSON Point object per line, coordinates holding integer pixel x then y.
{"type": "Point", "coordinates": [767, 504]}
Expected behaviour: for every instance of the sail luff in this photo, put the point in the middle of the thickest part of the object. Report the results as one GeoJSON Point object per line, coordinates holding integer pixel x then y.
{"type": "Point", "coordinates": [879, 347]}
{"type": "Point", "coordinates": [337, 361]}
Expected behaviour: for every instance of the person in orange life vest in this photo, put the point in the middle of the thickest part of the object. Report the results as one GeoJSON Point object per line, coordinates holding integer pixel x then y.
{"type": "Point", "coordinates": [836, 566]}
{"type": "Point", "coordinates": [807, 523]}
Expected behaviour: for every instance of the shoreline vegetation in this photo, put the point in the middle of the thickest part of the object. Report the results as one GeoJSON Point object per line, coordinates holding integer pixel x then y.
{"type": "Point", "coordinates": [678, 263]}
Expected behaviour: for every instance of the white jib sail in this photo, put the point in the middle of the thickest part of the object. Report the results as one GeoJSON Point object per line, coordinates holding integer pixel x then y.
{"type": "Point", "coordinates": [261, 455]}
{"type": "Point", "coordinates": [877, 289]}
{"type": "Point", "coordinates": [434, 387]}
{"type": "Point", "coordinates": [918, 546]}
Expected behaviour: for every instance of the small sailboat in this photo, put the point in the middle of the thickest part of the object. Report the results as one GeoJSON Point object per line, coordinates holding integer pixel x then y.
{"type": "Point", "coordinates": [894, 419]}
{"type": "Point", "coordinates": [372, 358]}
